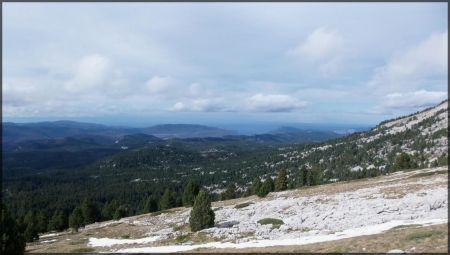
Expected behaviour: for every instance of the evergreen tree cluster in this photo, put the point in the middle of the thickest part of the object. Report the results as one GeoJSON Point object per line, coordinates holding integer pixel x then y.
{"type": "Point", "coordinates": [12, 239]}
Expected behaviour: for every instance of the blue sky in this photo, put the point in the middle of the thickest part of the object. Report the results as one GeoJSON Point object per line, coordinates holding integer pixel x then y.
{"type": "Point", "coordinates": [223, 62]}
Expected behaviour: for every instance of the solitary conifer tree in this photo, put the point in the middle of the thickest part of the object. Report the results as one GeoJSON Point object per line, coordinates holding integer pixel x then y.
{"type": "Point", "coordinates": [202, 216]}
{"type": "Point", "coordinates": [281, 181]}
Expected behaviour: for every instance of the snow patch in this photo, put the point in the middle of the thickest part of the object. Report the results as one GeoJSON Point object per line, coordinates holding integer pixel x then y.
{"type": "Point", "coordinates": [95, 242]}
{"type": "Point", "coordinates": [366, 230]}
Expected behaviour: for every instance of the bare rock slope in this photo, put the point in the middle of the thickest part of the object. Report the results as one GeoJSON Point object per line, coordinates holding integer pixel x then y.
{"type": "Point", "coordinates": [315, 215]}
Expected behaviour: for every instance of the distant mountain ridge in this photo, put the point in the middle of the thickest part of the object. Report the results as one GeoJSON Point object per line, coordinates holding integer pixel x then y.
{"type": "Point", "coordinates": [40, 133]}
{"type": "Point", "coordinates": [14, 133]}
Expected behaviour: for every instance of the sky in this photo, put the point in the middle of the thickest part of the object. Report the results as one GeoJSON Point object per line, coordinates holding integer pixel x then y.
{"type": "Point", "coordinates": [148, 63]}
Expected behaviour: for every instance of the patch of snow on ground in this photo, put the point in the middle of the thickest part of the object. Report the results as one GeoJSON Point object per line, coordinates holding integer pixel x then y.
{"type": "Point", "coordinates": [396, 251]}
{"type": "Point", "coordinates": [50, 235]}
{"type": "Point", "coordinates": [94, 242]}
{"type": "Point", "coordinates": [49, 241]}
{"type": "Point", "coordinates": [367, 230]}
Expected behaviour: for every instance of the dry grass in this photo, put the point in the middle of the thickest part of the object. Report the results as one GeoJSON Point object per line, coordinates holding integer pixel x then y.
{"type": "Point", "coordinates": [430, 239]}
{"type": "Point", "coordinates": [428, 174]}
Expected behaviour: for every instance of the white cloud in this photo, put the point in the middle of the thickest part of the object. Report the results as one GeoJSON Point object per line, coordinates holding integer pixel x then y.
{"type": "Point", "coordinates": [178, 107]}
{"type": "Point", "coordinates": [161, 85]}
{"type": "Point", "coordinates": [407, 102]}
{"type": "Point", "coordinates": [274, 103]}
{"type": "Point", "coordinates": [196, 89]}
{"type": "Point", "coordinates": [200, 105]}
{"type": "Point", "coordinates": [240, 103]}
{"type": "Point", "coordinates": [82, 71]}
{"type": "Point", "coordinates": [332, 67]}
{"type": "Point", "coordinates": [17, 92]}
{"type": "Point", "coordinates": [92, 71]}
{"type": "Point", "coordinates": [416, 99]}
{"type": "Point", "coordinates": [319, 45]}
{"type": "Point", "coordinates": [413, 67]}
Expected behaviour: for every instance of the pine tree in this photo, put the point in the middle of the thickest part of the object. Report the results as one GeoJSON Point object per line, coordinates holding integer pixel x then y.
{"type": "Point", "coordinates": [291, 185]}
{"type": "Point", "coordinates": [151, 205]}
{"type": "Point", "coordinates": [58, 221]}
{"type": "Point", "coordinates": [281, 181]}
{"type": "Point", "coordinates": [202, 216]}
{"type": "Point", "coordinates": [266, 187]}
{"type": "Point", "coordinates": [315, 175]}
{"type": "Point", "coordinates": [121, 211]}
{"type": "Point", "coordinates": [90, 211]}
{"type": "Point", "coordinates": [301, 177]}
{"type": "Point", "coordinates": [189, 193]}
{"type": "Point", "coordinates": [41, 221]}
{"type": "Point", "coordinates": [31, 231]}
{"type": "Point", "coordinates": [109, 209]}
{"type": "Point", "coordinates": [167, 200]}
{"type": "Point", "coordinates": [12, 240]}
{"type": "Point", "coordinates": [76, 219]}
{"type": "Point", "coordinates": [402, 161]}
{"type": "Point", "coordinates": [256, 186]}
{"type": "Point", "coordinates": [230, 192]}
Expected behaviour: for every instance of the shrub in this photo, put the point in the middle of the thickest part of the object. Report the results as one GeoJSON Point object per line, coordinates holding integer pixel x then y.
{"type": "Point", "coordinates": [420, 235]}
{"type": "Point", "coordinates": [239, 206]}
{"type": "Point", "coordinates": [276, 223]}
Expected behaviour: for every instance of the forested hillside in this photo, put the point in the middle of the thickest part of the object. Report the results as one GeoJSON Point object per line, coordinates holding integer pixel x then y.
{"type": "Point", "coordinates": [140, 173]}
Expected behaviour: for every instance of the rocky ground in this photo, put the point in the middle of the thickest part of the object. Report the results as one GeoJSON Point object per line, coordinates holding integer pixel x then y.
{"type": "Point", "coordinates": [408, 210]}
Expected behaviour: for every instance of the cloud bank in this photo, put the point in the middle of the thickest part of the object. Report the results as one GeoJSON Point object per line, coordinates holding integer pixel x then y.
{"type": "Point", "coordinates": [304, 62]}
